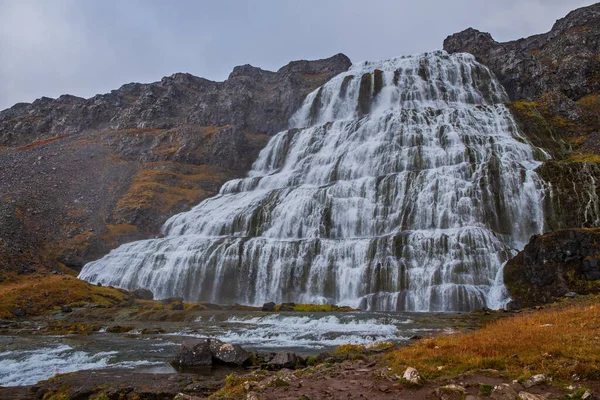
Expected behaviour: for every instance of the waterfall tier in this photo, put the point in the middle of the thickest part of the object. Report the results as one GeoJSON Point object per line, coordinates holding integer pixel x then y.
{"type": "Point", "coordinates": [404, 185]}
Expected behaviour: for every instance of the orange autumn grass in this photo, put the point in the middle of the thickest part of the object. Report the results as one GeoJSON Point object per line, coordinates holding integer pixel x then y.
{"type": "Point", "coordinates": [38, 293]}
{"type": "Point", "coordinates": [560, 341]}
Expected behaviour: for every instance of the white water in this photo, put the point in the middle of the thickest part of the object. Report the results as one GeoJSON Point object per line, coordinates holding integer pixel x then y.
{"type": "Point", "coordinates": [308, 331]}
{"type": "Point", "coordinates": [20, 368]}
{"type": "Point", "coordinates": [411, 197]}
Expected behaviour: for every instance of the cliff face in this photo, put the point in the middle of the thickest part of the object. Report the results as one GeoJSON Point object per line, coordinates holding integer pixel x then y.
{"type": "Point", "coordinates": [251, 99]}
{"type": "Point", "coordinates": [80, 177]}
{"type": "Point", "coordinates": [565, 60]}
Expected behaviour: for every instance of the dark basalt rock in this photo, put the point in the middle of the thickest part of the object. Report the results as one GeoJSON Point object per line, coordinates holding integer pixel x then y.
{"type": "Point", "coordinates": [268, 307]}
{"type": "Point", "coordinates": [225, 353]}
{"type": "Point", "coordinates": [554, 265]}
{"type": "Point", "coordinates": [209, 351]}
{"type": "Point", "coordinates": [564, 59]}
{"type": "Point", "coordinates": [284, 359]}
{"type": "Point", "coordinates": [143, 294]}
{"type": "Point", "coordinates": [194, 353]}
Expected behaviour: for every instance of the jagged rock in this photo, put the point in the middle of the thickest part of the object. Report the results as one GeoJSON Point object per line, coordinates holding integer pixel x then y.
{"type": "Point", "coordinates": [226, 353]}
{"type": "Point", "coordinates": [268, 307]}
{"type": "Point", "coordinates": [194, 353]}
{"type": "Point", "coordinates": [66, 309]}
{"type": "Point", "coordinates": [504, 391]}
{"type": "Point", "coordinates": [535, 380]}
{"type": "Point", "coordinates": [530, 396]}
{"type": "Point", "coordinates": [552, 265]}
{"type": "Point", "coordinates": [412, 375]}
{"type": "Point", "coordinates": [143, 294]}
{"type": "Point", "coordinates": [562, 60]}
{"type": "Point", "coordinates": [283, 359]}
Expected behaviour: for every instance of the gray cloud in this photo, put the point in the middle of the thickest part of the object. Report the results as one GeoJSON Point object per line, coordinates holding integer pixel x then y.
{"type": "Point", "coordinates": [85, 47]}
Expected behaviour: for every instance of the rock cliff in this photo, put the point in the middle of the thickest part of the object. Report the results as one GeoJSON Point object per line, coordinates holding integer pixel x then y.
{"type": "Point", "coordinates": [566, 59]}
{"type": "Point", "coordinates": [80, 177]}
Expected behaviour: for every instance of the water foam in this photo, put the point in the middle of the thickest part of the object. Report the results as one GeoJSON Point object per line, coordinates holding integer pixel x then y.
{"type": "Point", "coordinates": [20, 368]}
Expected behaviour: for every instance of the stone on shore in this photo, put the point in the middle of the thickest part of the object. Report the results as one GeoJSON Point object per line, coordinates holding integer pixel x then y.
{"type": "Point", "coordinates": [412, 375]}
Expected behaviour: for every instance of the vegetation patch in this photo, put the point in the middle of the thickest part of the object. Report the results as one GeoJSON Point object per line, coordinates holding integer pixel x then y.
{"type": "Point", "coordinates": [39, 293]}
{"type": "Point", "coordinates": [560, 342]}
{"type": "Point", "coordinates": [41, 142]}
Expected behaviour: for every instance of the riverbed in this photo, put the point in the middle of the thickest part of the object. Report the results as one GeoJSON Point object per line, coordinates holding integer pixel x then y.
{"type": "Point", "coordinates": [27, 356]}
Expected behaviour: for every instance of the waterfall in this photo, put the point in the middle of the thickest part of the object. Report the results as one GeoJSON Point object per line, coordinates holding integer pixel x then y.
{"type": "Point", "coordinates": [403, 184]}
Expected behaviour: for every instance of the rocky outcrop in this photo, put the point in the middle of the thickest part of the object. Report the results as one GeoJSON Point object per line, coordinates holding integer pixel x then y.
{"type": "Point", "coordinates": [563, 60]}
{"type": "Point", "coordinates": [553, 265]}
{"type": "Point", "coordinates": [79, 177]}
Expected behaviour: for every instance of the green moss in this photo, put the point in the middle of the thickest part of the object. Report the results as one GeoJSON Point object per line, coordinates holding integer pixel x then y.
{"type": "Point", "coordinates": [485, 390]}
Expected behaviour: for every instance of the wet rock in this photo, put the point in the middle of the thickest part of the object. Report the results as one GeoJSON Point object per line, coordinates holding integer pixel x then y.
{"type": "Point", "coordinates": [504, 391]}
{"type": "Point", "coordinates": [284, 359]}
{"type": "Point", "coordinates": [143, 294]}
{"type": "Point", "coordinates": [66, 309]}
{"type": "Point", "coordinates": [571, 295]}
{"type": "Point", "coordinates": [194, 353]}
{"type": "Point", "coordinates": [19, 312]}
{"type": "Point", "coordinates": [226, 353]}
{"type": "Point", "coordinates": [412, 375]}
{"type": "Point", "coordinates": [535, 380]}
{"type": "Point", "coordinates": [530, 396]}
{"type": "Point", "coordinates": [268, 307]}
{"type": "Point", "coordinates": [451, 392]}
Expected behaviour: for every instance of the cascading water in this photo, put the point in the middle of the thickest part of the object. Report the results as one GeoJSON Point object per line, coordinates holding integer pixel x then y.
{"type": "Point", "coordinates": [405, 185]}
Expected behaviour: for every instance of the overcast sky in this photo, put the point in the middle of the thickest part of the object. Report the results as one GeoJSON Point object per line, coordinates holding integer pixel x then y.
{"type": "Point", "coordinates": [85, 47]}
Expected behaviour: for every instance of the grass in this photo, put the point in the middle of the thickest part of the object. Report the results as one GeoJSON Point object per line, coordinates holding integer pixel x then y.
{"type": "Point", "coordinates": [38, 293]}
{"type": "Point", "coordinates": [561, 342]}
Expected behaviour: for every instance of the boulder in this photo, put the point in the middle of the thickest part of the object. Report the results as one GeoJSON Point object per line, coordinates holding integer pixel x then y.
{"type": "Point", "coordinates": [226, 353]}
{"type": "Point", "coordinates": [143, 294]}
{"type": "Point", "coordinates": [268, 307]}
{"type": "Point", "coordinates": [283, 359]}
{"type": "Point", "coordinates": [535, 380]}
{"type": "Point", "coordinates": [194, 353]}
{"type": "Point", "coordinates": [412, 375]}
{"type": "Point", "coordinates": [66, 309]}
